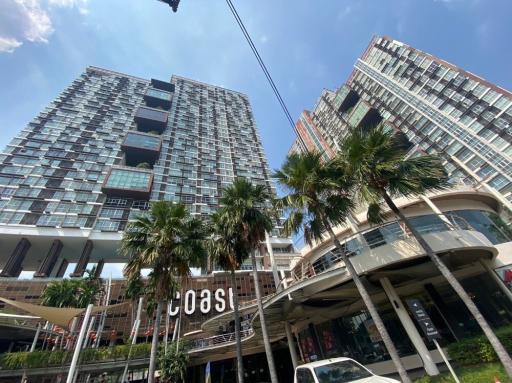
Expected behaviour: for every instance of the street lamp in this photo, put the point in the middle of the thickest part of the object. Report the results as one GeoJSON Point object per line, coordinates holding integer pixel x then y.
{"type": "Point", "coordinates": [172, 3]}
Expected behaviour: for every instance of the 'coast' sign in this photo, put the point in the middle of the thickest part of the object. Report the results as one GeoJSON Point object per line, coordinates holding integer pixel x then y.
{"type": "Point", "coordinates": [205, 300]}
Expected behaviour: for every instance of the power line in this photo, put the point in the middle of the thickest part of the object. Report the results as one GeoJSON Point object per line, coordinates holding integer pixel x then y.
{"type": "Point", "coordinates": [265, 70]}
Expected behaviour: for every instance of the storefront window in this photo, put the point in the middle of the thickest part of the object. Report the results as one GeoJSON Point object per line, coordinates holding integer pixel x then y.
{"type": "Point", "coordinates": [356, 336]}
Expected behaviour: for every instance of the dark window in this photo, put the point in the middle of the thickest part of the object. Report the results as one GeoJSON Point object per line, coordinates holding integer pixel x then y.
{"type": "Point", "coordinates": [305, 376]}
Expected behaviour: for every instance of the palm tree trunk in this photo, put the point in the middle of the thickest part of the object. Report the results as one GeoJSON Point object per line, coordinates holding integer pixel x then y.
{"type": "Point", "coordinates": [238, 339]}
{"type": "Point", "coordinates": [383, 332]}
{"type": "Point", "coordinates": [454, 283]}
{"type": "Point", "coordinates": [154, 343]}
{"type": "Point", "coordinates": [266, 340]}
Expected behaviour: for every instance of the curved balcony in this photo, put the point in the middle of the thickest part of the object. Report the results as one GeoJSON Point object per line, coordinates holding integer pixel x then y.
{"type": "Point", "coordinates": [370, 251]}
{"type": "Point", "coordinates": [392, 242]}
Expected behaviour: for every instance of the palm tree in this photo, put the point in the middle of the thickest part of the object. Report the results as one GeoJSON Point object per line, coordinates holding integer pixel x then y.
{"type": "Point", "coordinates": [134, 290]}
{"type": "Point", "coordinates": [319, 197]}
{"type": "Point", "coordinates": [245, 208]}
{"type": "Point", "coordinates": [382, 171]}
{"type": "Point", "coordinates": [228, 249]}
{"type": "Point", "coordinates": [168, 241]}
{"type": "Point", "coordinates": [77, 293]}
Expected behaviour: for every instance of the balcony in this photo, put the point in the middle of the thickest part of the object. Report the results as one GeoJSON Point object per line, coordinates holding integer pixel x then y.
{"type": "Point", "coordinates": [364, 115]}
{"type": "Point", "coordinates": [151, 120]}
{"type": "Point", "coordinates": [345, 99]}
{"type": "Point", "coordinates": [141, 148]}
{"type": "Point", "coordinates": [128, 182]}
{"type": "Point", "coordinates": [162, 85]}
{"type": "Point", "coordinates": [155, 98]}
{"type": "Point", "coordinates": [391, 243]}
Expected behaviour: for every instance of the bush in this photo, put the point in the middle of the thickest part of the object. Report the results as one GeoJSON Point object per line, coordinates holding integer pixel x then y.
{"type": "Point", "coordinates": [478, 350]}
{"type": "Point", "coordinates": [38, 359]}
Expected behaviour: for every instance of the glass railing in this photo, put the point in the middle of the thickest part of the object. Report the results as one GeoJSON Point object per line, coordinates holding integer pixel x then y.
{"type": "Point", "coordinates": [143, 141]}
{"type": "Point", "coordinates": [369, 239]}
{"type": "Point", "coordinates": [160, 94]}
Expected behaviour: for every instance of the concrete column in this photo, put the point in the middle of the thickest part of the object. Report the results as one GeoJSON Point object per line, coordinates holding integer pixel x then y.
{"type": "Point", "coordinates": [436, 210]}
{"type": "Point", "coordinates": [83, 260]}
{"type": "Point", "coordinates": [99, 268]}
{"type": "Point", "coordinates": [273, 264]}
{"type": "Point", "coordinates": [13, 266]}
{"type": "Point", "coordinates": [291, 344]}
{"type": "Point", "coordinates": [487, 266]}
{"type": "Point", "coordinates": [62, 268]}
{"type": "Point", "coordinates": [50, 260]}
{"type": "Point", "coordinates": [410, 328]}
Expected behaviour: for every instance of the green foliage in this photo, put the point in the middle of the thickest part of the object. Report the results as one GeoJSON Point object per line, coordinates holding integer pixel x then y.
{"type": "Point", "coordinates": [76, 293]}
{"type": "Point", "coordinates": [246, 208]}
{"type": "Point", "coordinates": [38, 359]}
{"type": "Point", "coordinates": [173, 365]}
{"type": "Point", "coordinates": [319, 194]}
{"type": "Point", "coordinates": [474, 374]}
{"type": "Point", "coordinates": [376, 160]}
{"type": "Point", "coordinates": [478, 350]}
{"type": "Point", "coordinates": [167, 240]}
{"type": "Point", "coordinates": [227, 247]}
{"type": "Point", "coordinates": [143, 165]}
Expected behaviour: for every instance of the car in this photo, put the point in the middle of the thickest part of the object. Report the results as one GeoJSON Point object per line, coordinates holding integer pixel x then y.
{"type": "Point", "coordinates": [337, 370]}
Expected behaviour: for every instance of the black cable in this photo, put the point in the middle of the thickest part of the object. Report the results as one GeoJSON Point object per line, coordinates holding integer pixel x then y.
{"type": "Point", "coordinates": [265, 70]}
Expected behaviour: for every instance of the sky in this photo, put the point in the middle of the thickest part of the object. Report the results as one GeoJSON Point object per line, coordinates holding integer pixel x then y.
{"type": "Point", "coordinates": [306, 45]}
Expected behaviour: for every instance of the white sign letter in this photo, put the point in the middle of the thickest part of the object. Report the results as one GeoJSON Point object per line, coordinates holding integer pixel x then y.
{"type": "Point", "coordinates": [190, 305]}
{"type": "Point", "coordinates": [206, 304]}
{"type": "Point", "coordinates": [220, 306]}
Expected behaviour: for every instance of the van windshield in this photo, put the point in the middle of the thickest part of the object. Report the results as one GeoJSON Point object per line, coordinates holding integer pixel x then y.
{"type": "Point", "coordinates": [341, 372]}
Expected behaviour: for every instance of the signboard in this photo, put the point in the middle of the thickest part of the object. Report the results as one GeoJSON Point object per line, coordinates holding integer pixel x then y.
{"type": "Point", "coordinates": [423, 319]}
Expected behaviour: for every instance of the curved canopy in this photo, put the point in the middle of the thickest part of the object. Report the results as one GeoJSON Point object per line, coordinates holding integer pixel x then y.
{"type": "Point", "coordinates": [60, 316]}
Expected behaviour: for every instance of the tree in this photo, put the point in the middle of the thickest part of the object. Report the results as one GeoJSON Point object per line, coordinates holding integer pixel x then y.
{"type": "Point", "coordinates": [134, 290]}
{"type": "Point", "coordinates": [77, 293]}
{"type": "Point", "coordinates": [168, 241]}
{"type": "Point", "coordinates": [382, 171]}
{"type": "Point", "coordinates": [173, 364]}
{"type": "Point", "coordinates": [229, 250]}
{"type": "Point", "coordinates": [319, 197]}
{"type": "Point", "coordinates": [246, 209]}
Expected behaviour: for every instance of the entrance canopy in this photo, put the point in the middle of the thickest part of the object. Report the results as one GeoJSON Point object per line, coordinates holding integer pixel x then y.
{"type": "Point", "coordinates": [60, 316]}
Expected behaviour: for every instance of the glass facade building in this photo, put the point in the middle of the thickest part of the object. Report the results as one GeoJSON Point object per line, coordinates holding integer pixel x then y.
{"type": "Point", "coordinates": [106, 147]}
{"type": "Point", "coordinates": [441, 108]}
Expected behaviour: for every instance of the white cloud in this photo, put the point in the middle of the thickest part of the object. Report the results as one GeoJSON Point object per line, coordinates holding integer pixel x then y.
{"type": "Point", "coordinates": [9, 44]}
{"type": "Point", "coordinates": [29, 20]}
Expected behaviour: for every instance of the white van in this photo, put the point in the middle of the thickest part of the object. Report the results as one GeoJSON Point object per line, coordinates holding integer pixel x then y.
{"type": "Point", "coordinates": [337, 370]}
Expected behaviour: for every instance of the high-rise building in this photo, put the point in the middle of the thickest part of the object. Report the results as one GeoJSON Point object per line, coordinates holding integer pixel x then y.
{"type": "Point", "coordinates": [440, 107]}
{"type": "Point", "coordinates": [105, 148]}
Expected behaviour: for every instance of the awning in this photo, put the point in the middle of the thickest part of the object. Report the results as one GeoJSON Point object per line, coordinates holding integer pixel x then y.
{"type": "Point", "coordinates": [60, 316]}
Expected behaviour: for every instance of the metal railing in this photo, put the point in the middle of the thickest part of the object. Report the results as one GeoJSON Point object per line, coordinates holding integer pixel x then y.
{"type": "Point", "coordinates": [375, 237]}
{"type": "Point", "coordinates": [218, 340]}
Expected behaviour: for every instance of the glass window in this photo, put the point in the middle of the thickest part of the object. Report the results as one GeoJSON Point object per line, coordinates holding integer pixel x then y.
{"type": "Point", "coordinates": [305, 376]}
{"type": "Point", "coordinates": [128, 179]}
{"type": "Point", "coordinates": [142, 141]}
{"type": "Point", "coordinates": [159, 94]}
{"type": "Point", "coordinates": [341, 372]}
{"type": "Point", "coordinates": [487, 223]}
{"type": "Point", "coordinates": [428, 224]}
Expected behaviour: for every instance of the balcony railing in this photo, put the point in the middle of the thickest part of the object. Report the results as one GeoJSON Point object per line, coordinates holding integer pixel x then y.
{"type": "Point", "coordinates": [218, 340]}
{"type": "Point", "coordinates": [369, 239]}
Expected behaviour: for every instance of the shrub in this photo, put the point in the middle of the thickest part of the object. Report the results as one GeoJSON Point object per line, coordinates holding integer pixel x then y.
{"type": "Point", "coordinates": [478, 349]}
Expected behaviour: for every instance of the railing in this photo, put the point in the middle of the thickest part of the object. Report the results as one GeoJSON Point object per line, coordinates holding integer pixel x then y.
{"type": "Point", "coordinates": [218, 340]}
{"type": "Point", "coordinates": [375, 237]}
